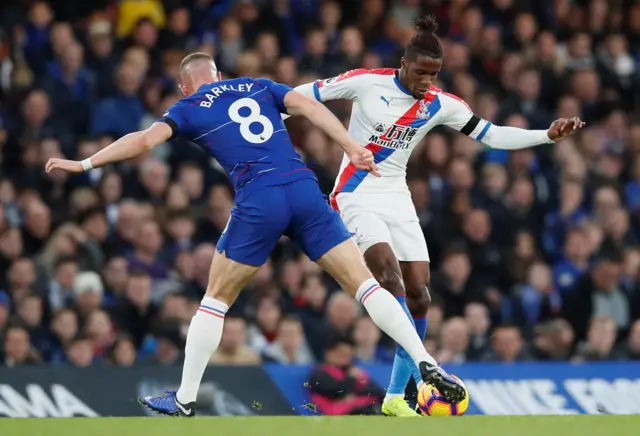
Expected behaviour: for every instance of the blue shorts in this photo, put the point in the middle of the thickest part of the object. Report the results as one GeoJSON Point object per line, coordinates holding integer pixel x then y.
{"type": "Point", "coordinates": [298, 210]}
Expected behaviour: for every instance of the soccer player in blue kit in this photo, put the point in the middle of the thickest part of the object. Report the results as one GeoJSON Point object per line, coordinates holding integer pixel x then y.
{"type": "Point", "coordinates": [239, 123]}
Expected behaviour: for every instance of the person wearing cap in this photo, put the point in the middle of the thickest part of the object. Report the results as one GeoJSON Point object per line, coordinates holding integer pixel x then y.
{"type": "Point", "coordinates": [88, 290]}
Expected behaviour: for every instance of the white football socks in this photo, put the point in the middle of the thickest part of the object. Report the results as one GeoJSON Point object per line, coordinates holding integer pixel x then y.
{"type": "Point", "coordinates": [386, 313]}
{"type": "Point", "coordinates": [203, 338]}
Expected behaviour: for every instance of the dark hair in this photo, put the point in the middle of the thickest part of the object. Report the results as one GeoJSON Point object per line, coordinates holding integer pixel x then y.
{"type": "Point", "coordinates": [335, 339]}
{"type": "Point", "coordinates": [425, 42]}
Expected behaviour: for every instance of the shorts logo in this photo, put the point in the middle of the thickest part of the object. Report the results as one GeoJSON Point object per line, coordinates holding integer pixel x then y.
{"type": "Point", "coordinates": [356, 236]}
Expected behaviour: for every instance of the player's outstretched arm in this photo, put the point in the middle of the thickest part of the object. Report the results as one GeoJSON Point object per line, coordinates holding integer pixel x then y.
{"type": "Point", "coordinates": [127, 147]}
{"type": "Point", "coordinates": [513, 138]}
{"type": "Point", "coordinates": [298, 104]}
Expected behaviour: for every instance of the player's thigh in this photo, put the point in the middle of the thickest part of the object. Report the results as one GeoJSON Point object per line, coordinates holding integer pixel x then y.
{"type": "Point", "coordinates": [408, 242]}
{"type": "Point", "coordinates": [367, 225]}
{"type": "Point", "coordinates": [255, 227]}
{"type": "Point", "coordinates": [384, 266]}
{"type": "Point", "coordinates": [315, 227]}
{"type": "Point", "coordinates": [345, 264]}
{"type": "Point", "coordinates": [227, 278]}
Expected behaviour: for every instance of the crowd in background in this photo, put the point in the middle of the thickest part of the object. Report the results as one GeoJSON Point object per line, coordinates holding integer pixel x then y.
{"type": "Point", "coordinates": [535, 253]}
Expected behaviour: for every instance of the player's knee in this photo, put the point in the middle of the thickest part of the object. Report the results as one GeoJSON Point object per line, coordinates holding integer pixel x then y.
{"type": "Point", "coordinates": [389, 280]}
{"type": "Point", "coordinates": [418, 300]}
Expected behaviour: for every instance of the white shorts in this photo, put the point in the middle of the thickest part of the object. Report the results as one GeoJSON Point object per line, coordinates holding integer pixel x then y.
{"type": "Point", "coordinates": [390, 218]}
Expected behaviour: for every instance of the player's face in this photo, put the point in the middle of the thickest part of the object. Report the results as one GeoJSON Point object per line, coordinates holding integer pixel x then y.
{"type": "Point", "coordinates": [419, 73]}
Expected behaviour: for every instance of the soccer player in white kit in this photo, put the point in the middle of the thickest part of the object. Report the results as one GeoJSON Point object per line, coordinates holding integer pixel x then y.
{"type": "Point", "coordinates": [392, 112]}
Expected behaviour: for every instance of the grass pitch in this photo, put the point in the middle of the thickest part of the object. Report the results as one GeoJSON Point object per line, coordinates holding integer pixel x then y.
{"type": "Point", "coordinates": [614, 425]}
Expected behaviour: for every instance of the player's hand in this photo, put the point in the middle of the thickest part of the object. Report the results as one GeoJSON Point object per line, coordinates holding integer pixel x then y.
{"type": "Point", "coordinates": [564, 127]}
{"type": "Point", "coordinates": [363, 160]}
{"type": "Point", "coordinates": [70, 166]}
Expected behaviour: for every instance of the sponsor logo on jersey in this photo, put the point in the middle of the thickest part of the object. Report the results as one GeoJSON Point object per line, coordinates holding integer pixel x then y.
{"type": "Point", "coordinates": [394, 136]}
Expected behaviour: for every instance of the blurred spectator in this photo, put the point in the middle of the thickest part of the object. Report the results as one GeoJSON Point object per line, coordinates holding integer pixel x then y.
{"type": "Point", "coordinates": [368, 348]}
{"type": "Point", "coordinates": [133, 311]}
{"type": "Point", "coordinates": [599, 294]}
{"type": "Point", "coordinates": [631, 349]}
{"type": "Point", "coordinates": [553, 340]}
{"type": "Point", "coordinates": [601, 338]}
{"type": "Point", "coordinates": [265, 330]}
{"type": "Point", "coordinates": [454, 341]}
{"type": "Point", "coordinates": [289, 347]}
{"type": "Point", "coordinates": [17, 349]}
{"type": "Point", "coordinates": [233, 349]}
{"type": "Point", "coordinates": [476, 316]}
{"type": "Point", "coordinates": [123, 352]}
{"type": "Point", "coordinates": [507, 345]}
{"type": "Point", "coordinates": [339, 388]}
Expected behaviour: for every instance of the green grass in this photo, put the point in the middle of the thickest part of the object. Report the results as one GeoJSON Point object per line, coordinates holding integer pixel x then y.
{"type": "Point", "coordinates": [327, 426]}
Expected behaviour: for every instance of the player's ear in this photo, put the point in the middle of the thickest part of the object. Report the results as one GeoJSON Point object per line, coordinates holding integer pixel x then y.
{"type": "Point", "coordinates": [183, 89]}
{"type": "Point", "coordinates": [219, 76]}
{"type": "Point", "coordinates": [403, 62]}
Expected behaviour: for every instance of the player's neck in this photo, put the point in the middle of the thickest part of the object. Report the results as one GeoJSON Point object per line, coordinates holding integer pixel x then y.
{"type": "Point", "coordinates": [402, 78]}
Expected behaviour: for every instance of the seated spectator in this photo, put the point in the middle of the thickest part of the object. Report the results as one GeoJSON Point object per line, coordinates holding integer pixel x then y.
{"type": "Point", "coordinates": [233, 348]}
{"type": "Point", "coordinates": [5, 309]}
{"type": "Point", "coordinates": [17, 350]}
{"type": "Point", "coordinates": [569, 270]}
{"type": "Point", "coordinates": [61, 287]}
{"type": "Point", "coordinates": [79, 353]}
{"type": "Point", "coordinates": [368, 348]}
{"type": "Point", "coordinates": [264, 331]}
{"type": "Point", "coordinates": [289, 347]}
{"type": "Point", "coordinates": [64, 327]}
{"type": "Point", "coordinates": [123, 352]}
{"type": "Point", "coordinates": [454, 342]}
{"type": "Point", "coordinates": [601, 337]}
{"type": "Point", "coordinates": [133, 312]}
{"type": "Point", "coordinates": [340, 388]}
{"type": "Point", "coordinates": [88, 290]}
{"type": "Point", "coordinates": [169, 344]}
{"type": "Point", "coordinates": [536, 300]}
{"type": "Point", "coordinates": [553, 340]}
{"type": "Point", "coordinates": [631, 349]}
{"type": "Point", "coordinates": [599, 293]}
{"type": "Point", "coordinates": [342, 313]}
{"type": "Point", "coordinates": [30, 312]}
{"type": "Point", "coordinates": [507, 345]}
{"type": "Point", "coordinates": [476, 316]}
{"type": "Point", "coordinates": [100, 331]}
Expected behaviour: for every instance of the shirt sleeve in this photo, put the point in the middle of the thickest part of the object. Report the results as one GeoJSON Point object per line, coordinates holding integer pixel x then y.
{"type": "Point", "coordinates": [460, 117]}
{"type": "Point", "coordinates": [176, 119]}
{"type": "Point", "coordinates": [278, 91]}
{"type": "Point", "coordinates": [345, 86]}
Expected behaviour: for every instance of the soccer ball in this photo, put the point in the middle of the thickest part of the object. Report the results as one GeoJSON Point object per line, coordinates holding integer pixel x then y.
{"type": "Point", "coordinates": [432, 403]}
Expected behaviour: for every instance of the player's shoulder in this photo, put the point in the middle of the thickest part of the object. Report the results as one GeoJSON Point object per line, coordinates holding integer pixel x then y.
{"type": "Point", "coordinates": [362, 74]}
{"type": "Point", "coordinates": [447, 98]}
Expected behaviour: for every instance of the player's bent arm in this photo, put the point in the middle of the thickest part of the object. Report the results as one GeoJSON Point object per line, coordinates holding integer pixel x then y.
{"type": "Point", "coordinates": [305, 89]}
{"type": "Point", "coordinates": [298, 104]}
{"type": "Point", "coordinates": [132, 145]}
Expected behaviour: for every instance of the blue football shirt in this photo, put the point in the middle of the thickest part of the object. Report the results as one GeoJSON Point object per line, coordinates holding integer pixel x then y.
{"type": "Point", "coordinates": [238, 122]}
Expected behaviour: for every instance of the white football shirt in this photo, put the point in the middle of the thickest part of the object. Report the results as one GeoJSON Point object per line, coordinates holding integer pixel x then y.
{"type": "Point", "coordinates": [390, 122]}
